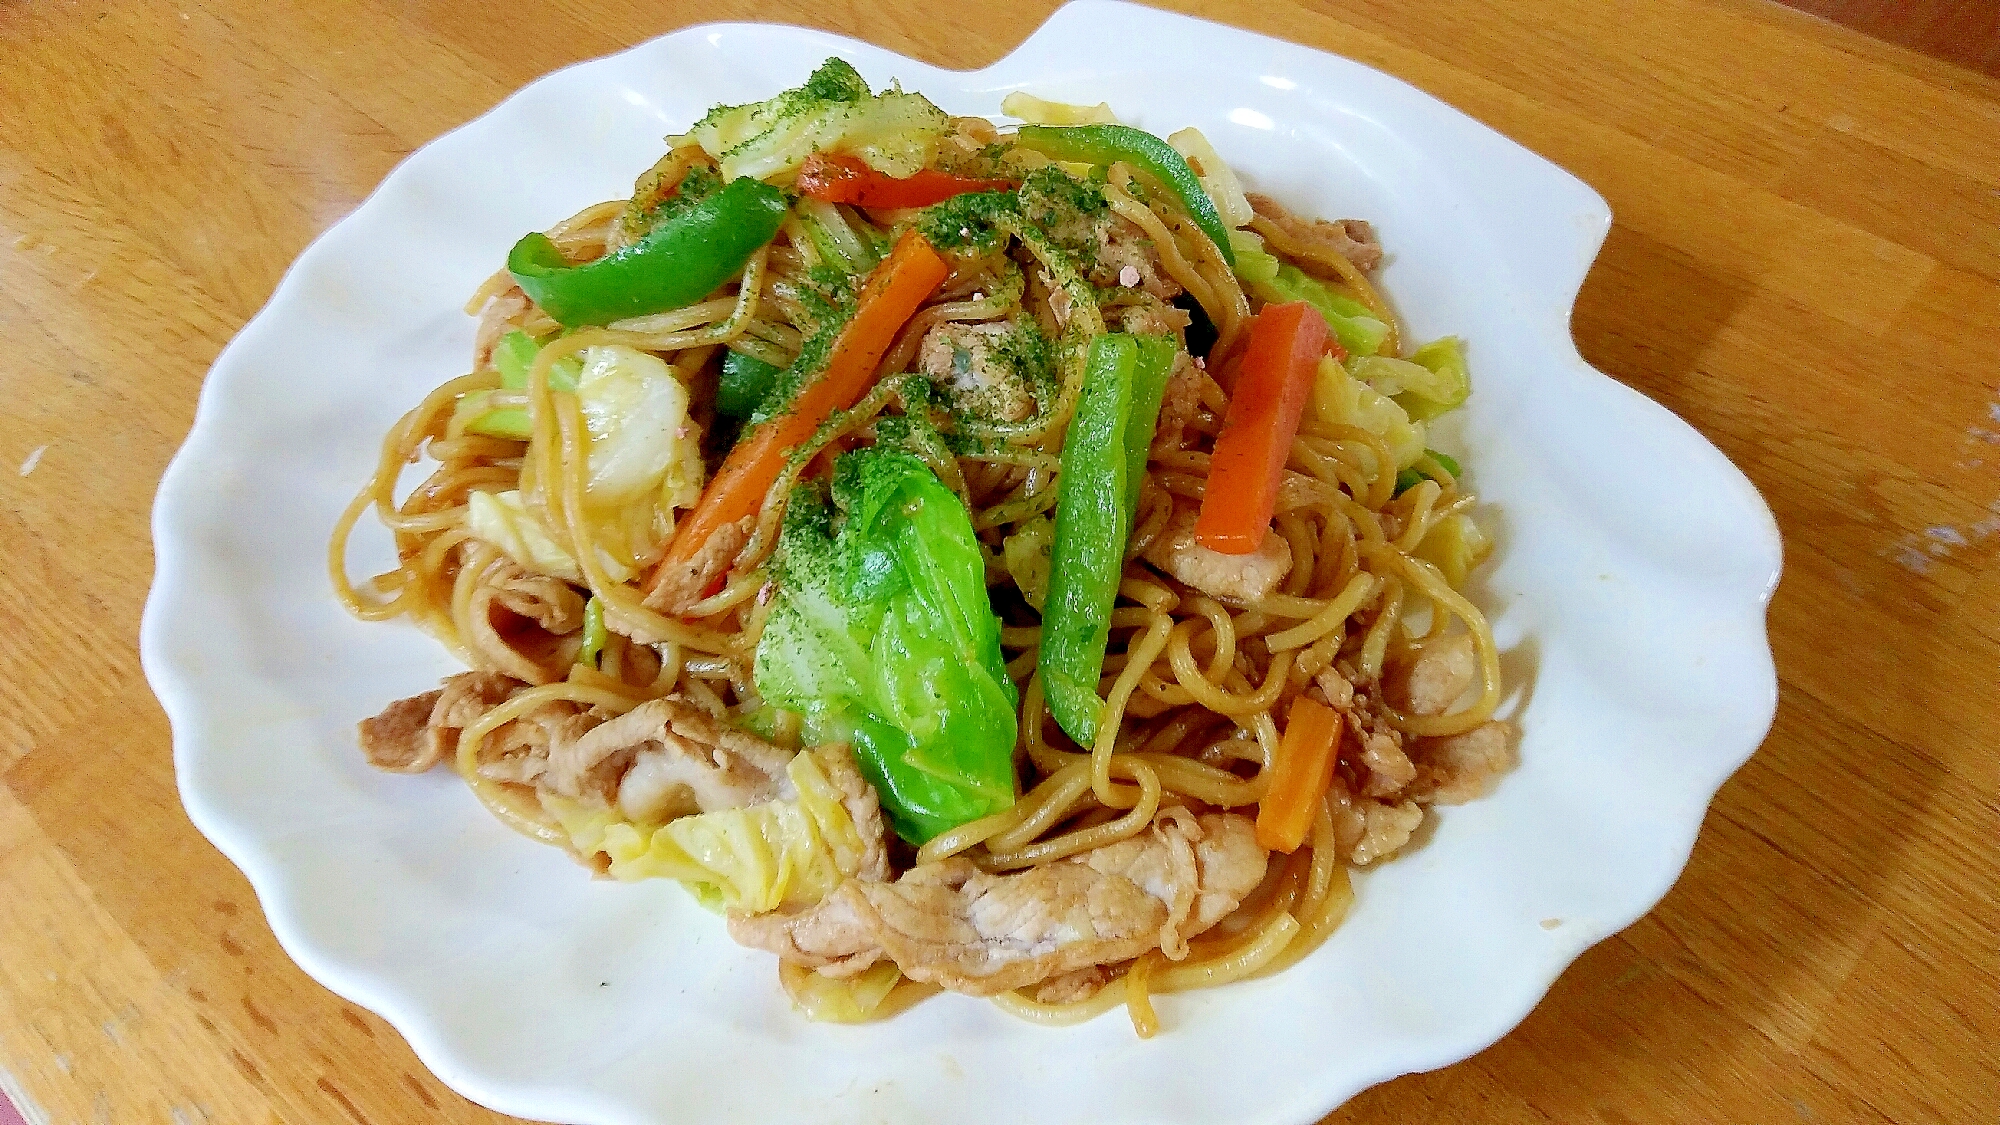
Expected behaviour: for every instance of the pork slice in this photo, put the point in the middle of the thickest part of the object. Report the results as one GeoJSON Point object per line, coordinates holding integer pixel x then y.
{"type": "Point", "coordinates": [412, 735]}
{"type": "Point", "coordinates": [666, 758]}
{"type": "Point", "coordinates": [1235, 578]}
{"type": "Point", "coordinates": [1368, 830]}
{"type": "Point", "coordinates": [1178, 406]}
{"type": "Point", "coordinates": [1431, 683]}
{"type": "Point", "coordinates": [1463, 767]}
{"type": "Point", "coordinates": [1352, 239]}
{"type": "Point", "coordinates": [1126, 257]}
{"type": "Point", "coordinates": [966, 360]}
{"type": "Point", "coordinates": [951, 924]}
{"type": "Point", "coordinates": [676, 586]}
{"type": "Point", "coordinates": [549, 602]}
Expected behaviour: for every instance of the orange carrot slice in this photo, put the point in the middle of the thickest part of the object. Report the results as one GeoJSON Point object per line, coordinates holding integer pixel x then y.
{"type": "Point", "coordinates": [903, 281]}
{"type": "Point", "coordinates": [1300, 776]}
{"type": "Point", "coordinates": [1272, 387]}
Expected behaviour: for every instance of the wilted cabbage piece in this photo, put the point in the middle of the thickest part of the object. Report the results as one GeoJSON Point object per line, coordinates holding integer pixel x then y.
{"type": "Point", "coordinates": [644, 461]}
{"type": "Point", "coordinates": [1354, 324]}
{"type": "Point", "coordinates": [1429, 383]}
{"type": "Point", "coordinates": [1038, 111]}
{"type": "Point", "coordinates": [1218, 179]}
{"type": "Point", "coordinates": [892, 132]}
{"type": "Point", "coordinates": [882, 635]}
{"type": "Point", "coordinates": [844, 999]}
{"type": "Point", "coordinates": [1455, 546]}
{"type": "Point", "coordinates": [781, 853]}
{"type": "Point", "coordinates": [1341, 399]}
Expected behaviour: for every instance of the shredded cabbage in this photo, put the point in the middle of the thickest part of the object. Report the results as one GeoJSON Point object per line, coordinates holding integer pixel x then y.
{"type": "Point", "coordinates": [645, 452]}
{"type": "Point", "coordinates": [781, 853]}
{"type": "Point", "coordinates": [503, 519]}
{"type": "Point", "coordinates": [1341, 399]}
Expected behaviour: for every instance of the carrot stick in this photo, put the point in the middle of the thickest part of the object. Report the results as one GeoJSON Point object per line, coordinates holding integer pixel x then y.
{"type": "Point", "coordinates": [1300, 776]}
{"type": "Point", "coordinates": [1275, 380]}
{"type": "Point", "coordinates": [902, 282]}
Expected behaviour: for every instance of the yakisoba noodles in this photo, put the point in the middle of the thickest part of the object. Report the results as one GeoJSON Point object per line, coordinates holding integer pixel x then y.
{"type": "Point", "coordinates": [1003, 559]}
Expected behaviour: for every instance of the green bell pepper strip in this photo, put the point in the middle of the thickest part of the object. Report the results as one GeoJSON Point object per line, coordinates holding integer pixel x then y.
{"type": "Point", "coordinates": [1097, 497]}
{"type": "Point", "coordinates": [1104, 144]}
{"type": "Point", "coordinates": [1150, 369]}
{"type": "Point", "coordinates": [677, 263]}
{"type": "Point", "coordinates": [746, 381]}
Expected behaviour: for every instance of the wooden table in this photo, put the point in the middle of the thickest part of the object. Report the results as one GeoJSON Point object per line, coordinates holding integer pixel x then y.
{"type": "Point", "coordinates": [1806, 266]}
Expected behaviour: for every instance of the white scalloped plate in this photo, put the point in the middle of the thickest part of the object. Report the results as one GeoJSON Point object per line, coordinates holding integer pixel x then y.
{"type": "Point", "coordinates": [1630, 584]}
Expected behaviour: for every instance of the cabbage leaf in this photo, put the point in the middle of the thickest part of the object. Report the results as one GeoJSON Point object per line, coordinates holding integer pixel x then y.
{"type": "Point", "coordinates": [892, 132]}
{"type": "Point", "coordinates": [881, 634]}
{"type": "Point", "coordinates": [1341, 399]}
{"type": "Point", "coordinates": [780, 853]}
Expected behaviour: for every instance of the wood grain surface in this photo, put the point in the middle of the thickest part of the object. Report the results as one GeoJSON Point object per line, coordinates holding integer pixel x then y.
{"type": "Point", "coordinates": [1806, 266]}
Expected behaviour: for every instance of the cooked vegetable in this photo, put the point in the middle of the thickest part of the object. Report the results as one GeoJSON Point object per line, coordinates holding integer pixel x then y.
{"type": "Point", "coordinates": [635, 411]}
{"type": "Point", "coordinates": [1218, 179]}
{"type": "Point", "coordinates": [746, 381]}
{"type": "Point", "coordinates": [1455, 546]}
{"type": "Point", "coordinates": [594, 633]}
{"type": "Point", "coordinates": [1026, 553]}
{"type": "Point", "coordinates": [782, 853]}
{"type": "Point", "coordinates": [1411, 477]}
{"type": "Point", "coordinates": [1354, 324]}
{"type": "Point", "coordinates": [1287, 345]}
{"type": "Point", "coordinates": [512, 356]}
{"type": "Point", "coordinates": [893, 293]}
{"type": "Point", "coordinates": [678, 262]}
{"type": "Point", "coordinates": [835, 178]}
{"type": "Point", "coordinates": [1341, 399]}
{"type": "Point", "coordinates": [893, 132]}
{"type": "Point", "coordinates": [1106, 144]}
{"type": "Point", "coordinates": [1150, 371]}
{"type": "Point", "coordinates": [515, 352]}
{"type": "Point", "coordinates": [1300, 776]}
{"type": "Point", "coordinates": [503, 519]}
{"type": "Point", "coordinates": [837, 243]}
{"type": "Point", "coordinates": [1097, 494]}
{"type": "Point", "coordinates": [1037, 111]}
{"type": "Point", "coordinates": [644, 461]}
{"type": "Point", "coordinates": [825, 999]}
{"type": "Point", "coordinates": [881, 634]}
{"type": "Point", "coordinates": [1452, 381]}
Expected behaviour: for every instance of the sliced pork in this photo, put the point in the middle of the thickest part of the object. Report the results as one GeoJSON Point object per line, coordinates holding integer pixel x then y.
{"type": "Point", "coordinates": [978, 933]}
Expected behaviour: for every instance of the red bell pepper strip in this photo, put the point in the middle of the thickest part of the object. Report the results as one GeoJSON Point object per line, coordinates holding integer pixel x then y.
{"type": "Point", "coordinates": [835, 178]}
{"type": "Point", "coordinates": [1272, 387]}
